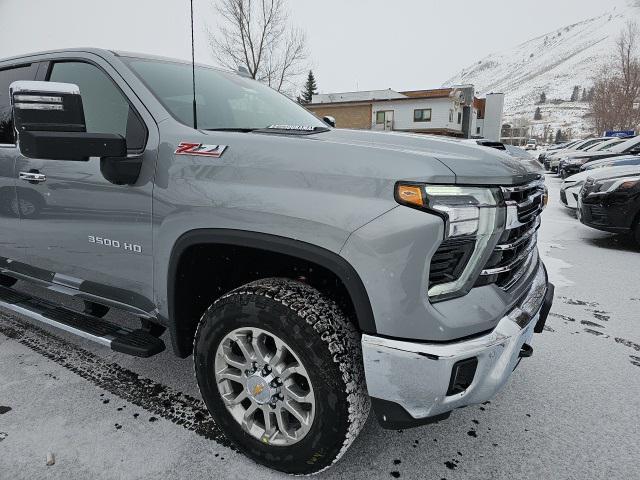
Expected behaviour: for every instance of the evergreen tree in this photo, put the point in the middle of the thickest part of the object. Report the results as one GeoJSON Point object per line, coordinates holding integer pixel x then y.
{"type": "Point", "coordinates": [543, 98]}
{"type": "Point", "coordinates": [575, 95]}
{"type": "Point", "coordinates": [584, 94]}
{"type": "Point", "coordinates": [310, 88]}
{"type": "Point", "coordinates": [559, 136]}
{"type": "Point", "coordinates": [538, 114]}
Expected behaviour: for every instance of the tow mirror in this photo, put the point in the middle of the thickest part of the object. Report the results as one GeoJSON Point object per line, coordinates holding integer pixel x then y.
{"type": "Point", "coordinates": [49, 121]}
{"type": "Point", "coordinates": [329, 120]}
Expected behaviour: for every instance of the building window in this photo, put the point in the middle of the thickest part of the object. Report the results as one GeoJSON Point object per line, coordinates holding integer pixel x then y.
{"type": "Point", "coordinates": [379, 118]}
{"type": "Point", "coordinates": [422, 115]}
{"type": "Point", "coordinates": [450, 116]}
{"type": "Point", "coordinates": [459, 118]}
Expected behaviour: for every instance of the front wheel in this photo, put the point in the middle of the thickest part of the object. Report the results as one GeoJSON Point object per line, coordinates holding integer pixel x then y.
{"type": "Point", "coordinates": [280, 370]}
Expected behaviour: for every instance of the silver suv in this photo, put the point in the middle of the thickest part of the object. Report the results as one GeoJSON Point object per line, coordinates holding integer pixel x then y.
{"type": "Point", "coordinates": [312, 272]}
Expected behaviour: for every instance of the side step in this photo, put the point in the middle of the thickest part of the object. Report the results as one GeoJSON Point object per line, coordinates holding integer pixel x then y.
{"type": "Point", "coordinates": [138, 343]}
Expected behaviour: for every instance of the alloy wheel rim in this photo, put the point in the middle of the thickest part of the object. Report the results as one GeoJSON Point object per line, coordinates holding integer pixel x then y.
{"type": "Point", "coordinates": [264, 386]}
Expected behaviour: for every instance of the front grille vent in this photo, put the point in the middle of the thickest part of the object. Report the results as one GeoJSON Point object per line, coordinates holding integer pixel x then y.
{"type": "Point", "coordinates": [448, 263]}
{"type": "Point", "coordinates": [516, 248]}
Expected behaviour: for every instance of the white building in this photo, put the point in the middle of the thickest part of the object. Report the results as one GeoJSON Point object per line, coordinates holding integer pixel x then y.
{"type": "Point", "coordinates": [451, 111]}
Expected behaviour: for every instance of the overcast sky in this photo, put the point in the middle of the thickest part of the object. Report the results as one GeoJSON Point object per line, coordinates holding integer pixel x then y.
{"type": "Point", "coordinates": [354, 44]}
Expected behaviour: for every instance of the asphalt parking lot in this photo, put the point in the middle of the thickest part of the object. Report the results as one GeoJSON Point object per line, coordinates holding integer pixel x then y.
{"type": "Point", "coordinates": [571, 411]}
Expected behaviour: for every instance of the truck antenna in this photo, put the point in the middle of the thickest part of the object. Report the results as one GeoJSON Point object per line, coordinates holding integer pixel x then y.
{"type": "Point", "coordinates": [193, 73]}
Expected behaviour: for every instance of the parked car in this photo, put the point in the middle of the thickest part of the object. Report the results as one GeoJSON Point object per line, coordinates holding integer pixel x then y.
{"type": "Point", "coordinates": [532, 144]}
{"type": "Point", "coordinates": [571, 146]}
{"type": "Point", "coordinates": [612, 162]}
{"type": "Point", "coordinates": [571, 186]}
{"type": "Point", "coordinates": [554, 159]}
{"type": "Point", "coordinates": [598, 147]}
{"type": "Point", "coordinates": [542, 157]}
{"type": "Point", "coordinates": [523, 155]}
{"type": "Point", "coordinates": [312, 272]}
{"type": "Point", "coordinates": [630, 146]}
{"type": "Point", "coordinates": [517, 152]}
{"type": "Point", "coordinates": [483, 142]}
{"type": "Point", "coordinates": [610, 200]}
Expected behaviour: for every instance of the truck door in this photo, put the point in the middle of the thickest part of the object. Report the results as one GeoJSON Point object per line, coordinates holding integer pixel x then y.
{"type": "Point", "coordinates": [88, 233]}
{"type": "Point", "coordinates": [11, 246]}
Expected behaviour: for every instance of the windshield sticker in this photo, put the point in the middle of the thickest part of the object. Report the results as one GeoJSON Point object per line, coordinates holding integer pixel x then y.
{"type": "Point", "coordinates": [292, 127]}
{"type": "Point", "coordinates": [188, 148]}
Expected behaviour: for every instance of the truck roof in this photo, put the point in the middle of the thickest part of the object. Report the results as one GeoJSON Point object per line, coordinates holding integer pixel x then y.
{"type": "Point", "coordinates": [103, 52]}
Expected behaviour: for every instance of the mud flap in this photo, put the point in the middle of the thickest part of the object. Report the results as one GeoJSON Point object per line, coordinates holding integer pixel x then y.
{"type": "Point", "coordinates": [544, 310]}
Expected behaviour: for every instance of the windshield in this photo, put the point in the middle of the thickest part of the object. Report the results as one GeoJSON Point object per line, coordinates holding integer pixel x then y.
{"type": "Point", "coordinates": [224, 100]}
{"type": "Point", "coordinates": [577, 145]}
{"type": "Point", "coordinates": [604, 145]}
{"type": "Point", "coordinates": [626, 145]}
{"type": "Point", "coordinates": [588, 143]}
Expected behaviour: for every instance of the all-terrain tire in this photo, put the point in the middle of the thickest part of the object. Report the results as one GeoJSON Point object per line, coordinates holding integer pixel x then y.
{"type": "Point", "coordinates": [327, 345]}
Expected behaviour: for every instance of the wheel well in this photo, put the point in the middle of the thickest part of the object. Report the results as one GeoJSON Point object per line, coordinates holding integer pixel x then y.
{"type": "Point", "coordinates": [202, 272]}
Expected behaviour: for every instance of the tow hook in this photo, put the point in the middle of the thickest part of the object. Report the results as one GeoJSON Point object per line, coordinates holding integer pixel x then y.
{"type": "Point", "coordinates": [526, 350]}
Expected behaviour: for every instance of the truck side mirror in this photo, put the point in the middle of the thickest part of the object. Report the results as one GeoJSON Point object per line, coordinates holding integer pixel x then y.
{"type": "Point", "coordinates": [329, 120]}
{"type": "Point", "coordinates": [49, 122]}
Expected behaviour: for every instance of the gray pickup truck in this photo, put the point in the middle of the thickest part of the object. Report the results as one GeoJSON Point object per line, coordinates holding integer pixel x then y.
{"type": "Point", "coordinates": [312, 272]}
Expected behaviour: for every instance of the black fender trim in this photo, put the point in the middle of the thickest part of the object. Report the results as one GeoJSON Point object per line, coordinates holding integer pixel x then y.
{"type": "Point", "coordinates": [271, 243]}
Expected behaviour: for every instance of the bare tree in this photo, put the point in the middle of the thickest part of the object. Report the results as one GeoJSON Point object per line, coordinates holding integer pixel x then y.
{"type": "Point", "coordinates": [616, 91]}
{"type": "Point", "coordinates": [256, 35]}
{"type": "Point", "coordinates": [628, 44]}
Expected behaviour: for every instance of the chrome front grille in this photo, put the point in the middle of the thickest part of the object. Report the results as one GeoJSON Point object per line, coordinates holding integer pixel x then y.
{"type": "Point", "coordinates": [516, 251]}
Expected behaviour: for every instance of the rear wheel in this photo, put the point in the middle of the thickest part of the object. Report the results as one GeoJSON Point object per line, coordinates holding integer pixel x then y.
{"type": "Point", "coordinates": [280, 369]}
{"type": "Point", "coordinates": [636, 233]}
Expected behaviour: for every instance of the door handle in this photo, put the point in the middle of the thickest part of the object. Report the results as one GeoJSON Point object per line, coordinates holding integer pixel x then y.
{"type": "Point", "coordinates": [33, 177]}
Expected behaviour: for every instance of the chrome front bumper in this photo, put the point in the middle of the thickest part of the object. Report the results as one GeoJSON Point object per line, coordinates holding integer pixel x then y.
{"type": "Point", "coordinates": [417, 376]}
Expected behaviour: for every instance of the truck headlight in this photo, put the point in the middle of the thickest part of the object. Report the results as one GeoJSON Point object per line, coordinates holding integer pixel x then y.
{"type": "Point", "coordinates": [473, 218]}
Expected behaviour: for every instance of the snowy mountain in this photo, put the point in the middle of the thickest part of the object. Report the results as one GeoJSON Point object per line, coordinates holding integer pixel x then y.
{"type": "Point", "coordinates": [553, 63]}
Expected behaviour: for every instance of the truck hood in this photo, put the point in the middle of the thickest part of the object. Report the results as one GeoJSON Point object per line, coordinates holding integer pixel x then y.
{"type": "Point", "coordinates": [469, 164]}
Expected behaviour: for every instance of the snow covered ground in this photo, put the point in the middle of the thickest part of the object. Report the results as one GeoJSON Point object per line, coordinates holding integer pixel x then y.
{"type": "Point", "coordinates": [552, 63]}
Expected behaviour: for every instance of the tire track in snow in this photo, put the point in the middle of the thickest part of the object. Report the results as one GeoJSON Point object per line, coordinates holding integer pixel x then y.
{"type": "Point", "coordinates": [184, 410]}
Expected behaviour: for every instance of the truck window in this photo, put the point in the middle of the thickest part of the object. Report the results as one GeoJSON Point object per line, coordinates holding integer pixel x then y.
{"type": "Point", "coordinates": [224, 100]}
{"type": "Point", "coordinates": [8, 76]}
{"type": "Point", "coordinates": [106, 109]}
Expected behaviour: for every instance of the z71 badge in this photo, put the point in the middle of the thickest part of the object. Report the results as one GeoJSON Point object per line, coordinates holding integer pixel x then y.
{"type": "Point", "coordinates": [200, 149]}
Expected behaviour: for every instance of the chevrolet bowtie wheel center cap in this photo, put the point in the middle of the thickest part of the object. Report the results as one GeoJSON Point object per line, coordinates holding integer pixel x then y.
{"type": "Point", "coordinates": [260, 390]}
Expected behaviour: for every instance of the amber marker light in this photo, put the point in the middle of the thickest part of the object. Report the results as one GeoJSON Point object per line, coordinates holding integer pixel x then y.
{"type": "Point", "coordinates": [409, 195]}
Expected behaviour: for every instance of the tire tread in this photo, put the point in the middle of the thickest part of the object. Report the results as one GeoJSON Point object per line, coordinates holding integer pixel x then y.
{"type": "Point", "coordinates": [333, 328]}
